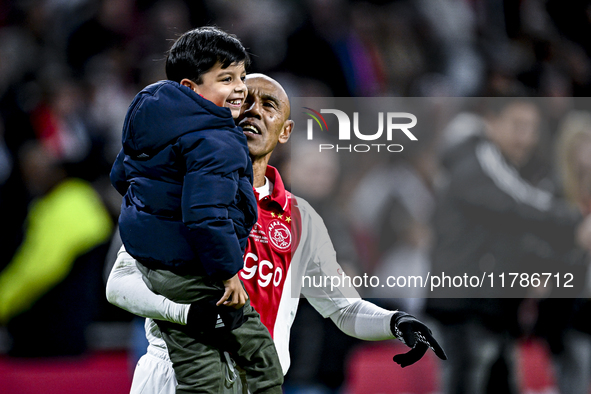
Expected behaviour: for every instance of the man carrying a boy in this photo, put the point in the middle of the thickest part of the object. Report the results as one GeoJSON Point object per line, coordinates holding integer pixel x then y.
{"type": "Point", "coordinates": [189, 206]}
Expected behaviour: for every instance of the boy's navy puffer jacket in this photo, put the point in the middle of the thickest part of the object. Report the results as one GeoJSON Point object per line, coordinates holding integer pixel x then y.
{"type": "Point", "coordinates": [186, 180]}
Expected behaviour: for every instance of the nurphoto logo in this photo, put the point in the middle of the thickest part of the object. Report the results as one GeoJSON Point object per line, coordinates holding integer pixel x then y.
{"type": "Point", "coordinates": [395, 122]}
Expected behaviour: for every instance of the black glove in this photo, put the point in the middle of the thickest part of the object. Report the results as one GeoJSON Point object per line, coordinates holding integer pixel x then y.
{"type": "Point", "coordinates": [232, 318]}
{"type": "Point", "coordinates": [416, 335]}
{"type": "Point", "coordinates": [203, 316]}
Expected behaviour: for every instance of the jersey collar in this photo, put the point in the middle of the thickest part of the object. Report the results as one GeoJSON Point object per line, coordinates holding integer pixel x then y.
{"type": "Point", "coordinates": [278, 195]}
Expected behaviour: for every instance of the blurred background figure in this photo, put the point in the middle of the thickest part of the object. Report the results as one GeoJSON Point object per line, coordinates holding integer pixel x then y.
{"type": "Point", "coordinates": [48, 292]}
{"type": "Point", "coordinates": [491, 217]}
{"type": "Point", "coordinates": [573, 150]}
{"type": "Point", "coordinates": [569, 338]}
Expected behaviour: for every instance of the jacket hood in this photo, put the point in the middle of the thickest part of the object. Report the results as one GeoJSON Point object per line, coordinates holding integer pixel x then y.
{"type": "Point", "coordinates": [164, 111]}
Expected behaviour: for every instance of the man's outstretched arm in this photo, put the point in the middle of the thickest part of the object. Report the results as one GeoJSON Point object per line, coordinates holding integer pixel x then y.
{"type": "Point", "coordinates": [354, 316]}
{"type": "Point", "coordinates": [369, 322]}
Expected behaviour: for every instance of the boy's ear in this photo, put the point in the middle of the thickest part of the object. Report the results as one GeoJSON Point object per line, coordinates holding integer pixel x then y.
{"type": "Point", "coordinates": [190, 84]}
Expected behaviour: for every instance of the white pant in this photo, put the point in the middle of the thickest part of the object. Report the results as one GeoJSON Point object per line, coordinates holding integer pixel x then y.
{"type": "Point", "coordinates": [155, 375]}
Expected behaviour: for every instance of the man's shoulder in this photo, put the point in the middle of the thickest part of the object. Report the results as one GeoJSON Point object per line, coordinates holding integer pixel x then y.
{"type": "Point", "coordinates": [305, 211]}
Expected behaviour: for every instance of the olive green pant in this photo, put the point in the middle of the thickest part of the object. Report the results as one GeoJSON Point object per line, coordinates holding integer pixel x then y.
{"type": "Point", "coordinates": [196, 357]}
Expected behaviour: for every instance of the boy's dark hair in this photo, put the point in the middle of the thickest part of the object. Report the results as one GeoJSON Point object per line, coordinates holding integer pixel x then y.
{"type": "Point", "coordinates": [198, 50]}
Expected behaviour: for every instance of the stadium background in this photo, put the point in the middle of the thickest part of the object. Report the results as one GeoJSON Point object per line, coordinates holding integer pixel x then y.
{"type": "Point", "coordinates": [68, 70]}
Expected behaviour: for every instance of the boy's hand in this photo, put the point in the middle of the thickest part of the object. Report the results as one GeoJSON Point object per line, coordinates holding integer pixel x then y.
{"type": "Point", "coordinates": [234, 294]}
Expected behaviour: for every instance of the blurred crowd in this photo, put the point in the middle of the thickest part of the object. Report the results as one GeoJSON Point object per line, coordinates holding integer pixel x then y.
{"type": "Point", "coordinates": [69, 69]}
{"type": "Point", "coordinates": [504, 187]}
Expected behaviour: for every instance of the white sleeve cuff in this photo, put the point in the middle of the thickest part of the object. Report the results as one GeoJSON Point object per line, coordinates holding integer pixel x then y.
{"type": "Point", "coordinates": [364, 320]}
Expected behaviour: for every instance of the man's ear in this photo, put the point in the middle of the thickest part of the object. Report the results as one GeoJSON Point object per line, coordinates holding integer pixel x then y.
{"type": "Point", "coordinates": [286, 132]}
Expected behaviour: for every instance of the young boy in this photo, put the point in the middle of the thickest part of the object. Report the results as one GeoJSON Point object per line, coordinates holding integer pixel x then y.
{"type": "Point", "coordinates": [189, 206]}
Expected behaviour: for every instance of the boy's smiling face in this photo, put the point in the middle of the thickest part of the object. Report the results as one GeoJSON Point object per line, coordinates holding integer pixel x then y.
{"type": "Point", "coordinates": [223, 86]}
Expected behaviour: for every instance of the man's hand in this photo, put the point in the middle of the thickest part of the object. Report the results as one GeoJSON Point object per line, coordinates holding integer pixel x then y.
{"type": "Point", "coordinates": [234, 294]}
{"type": "Point", "coordinates": [416, 335]}
{"type": "Point", "coordinates": [202, 316]}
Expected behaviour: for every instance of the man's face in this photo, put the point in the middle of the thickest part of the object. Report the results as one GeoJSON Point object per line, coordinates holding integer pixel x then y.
{"type": "Point", "coordinates": [516, 131]}
{"type": "Point", "coordinates": [224, 86]}
{"type": "Point", "coordinates": [265, 115]}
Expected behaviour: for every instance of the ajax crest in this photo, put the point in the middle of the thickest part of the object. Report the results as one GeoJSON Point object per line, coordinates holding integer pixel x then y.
{"type": "Point", "coordinates": [279, 235]}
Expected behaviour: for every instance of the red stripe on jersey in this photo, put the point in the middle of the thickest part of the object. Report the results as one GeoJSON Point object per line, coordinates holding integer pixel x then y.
{"type": "Point", "coordinates": [270, 248]}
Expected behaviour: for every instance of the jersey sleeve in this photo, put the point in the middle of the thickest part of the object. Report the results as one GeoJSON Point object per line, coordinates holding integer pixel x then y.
{"type": "Point", "coordinates": [364, 320]}
{"type": "Point", "coordinates": [127, 290]}
{"type": "Point", "coordinates": [323, 282]}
